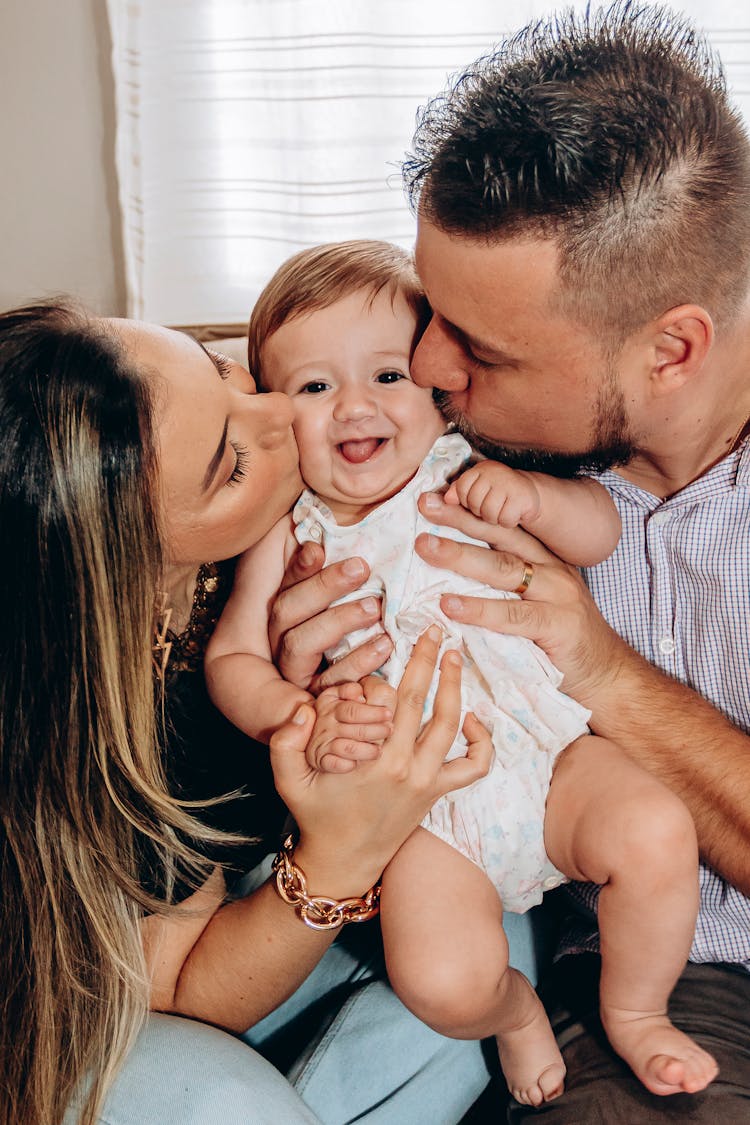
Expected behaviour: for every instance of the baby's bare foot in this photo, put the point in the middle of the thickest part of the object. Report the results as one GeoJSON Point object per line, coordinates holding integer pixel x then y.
{"type": "Point", "coordinates": [532, 1065]}
{"type": "Point", "coordinates": [663, 1058]}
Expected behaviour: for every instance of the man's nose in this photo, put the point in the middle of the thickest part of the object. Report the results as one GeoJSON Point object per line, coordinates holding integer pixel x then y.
{"type": "Point", "coordinates": [439, 359]}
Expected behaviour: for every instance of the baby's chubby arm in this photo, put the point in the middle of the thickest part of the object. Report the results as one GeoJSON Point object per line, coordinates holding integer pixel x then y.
{"type": "Point", "coordinates": [240, 675]}
{"type": "Point", "coordinates": [246, 686]}
{"type": "Point", "coordinates": [574, 518]}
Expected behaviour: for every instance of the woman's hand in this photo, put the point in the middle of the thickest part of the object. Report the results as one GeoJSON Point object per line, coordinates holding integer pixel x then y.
{"type": "Point", "coordinates": [303, 624]}
{"type": "Point", "coordinates": [556, 610]}
{"type": "Point", "coordinates": [351, 825]}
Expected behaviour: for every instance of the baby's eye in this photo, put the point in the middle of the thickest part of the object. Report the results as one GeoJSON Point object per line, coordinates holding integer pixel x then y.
{"type": "Point", "coordinates": [313, 388]}
{"type": "Point", "coordinates": [390, 376]}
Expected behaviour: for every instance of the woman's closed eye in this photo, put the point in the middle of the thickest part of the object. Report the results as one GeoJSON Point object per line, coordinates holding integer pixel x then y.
{"type": "Point", "coordinates": [221, 362]}
{"type": "Point", "coordinates": [240, 462]}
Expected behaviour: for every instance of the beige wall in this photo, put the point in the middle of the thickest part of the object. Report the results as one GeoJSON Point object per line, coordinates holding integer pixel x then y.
{"type": "Point", "coordinates": [59, 223]}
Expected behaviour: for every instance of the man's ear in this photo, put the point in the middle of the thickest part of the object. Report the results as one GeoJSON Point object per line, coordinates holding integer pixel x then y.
{"type": "Point", "coordinates": [682, 339]}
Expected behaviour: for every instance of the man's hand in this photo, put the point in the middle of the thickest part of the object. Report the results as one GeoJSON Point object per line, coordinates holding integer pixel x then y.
{"type": "Point", "coordinates": [303, 624]}
{"type": "Point", "coordinates": [556, 610]}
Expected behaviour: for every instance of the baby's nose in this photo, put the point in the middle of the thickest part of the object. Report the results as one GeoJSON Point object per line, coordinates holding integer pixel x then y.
{"type": "Point", "coordinates": [353, 405]}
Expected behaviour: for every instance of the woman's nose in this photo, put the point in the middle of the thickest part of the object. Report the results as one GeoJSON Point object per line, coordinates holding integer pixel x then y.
{"type": "Point", "coordinates": [242, 380]}
{"type": "Point", "coordinates": [439, 359]}
{"type": "Point", "coordinates": [273, 418]}
{"type": "Point", "coordinates": [353, 404]}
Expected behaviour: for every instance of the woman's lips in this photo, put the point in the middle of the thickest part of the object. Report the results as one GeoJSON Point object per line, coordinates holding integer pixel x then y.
{"type": "Point", "coordinates": [359, 451]}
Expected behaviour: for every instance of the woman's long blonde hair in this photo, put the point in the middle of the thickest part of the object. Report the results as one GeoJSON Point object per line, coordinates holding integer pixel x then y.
{"type": "Point", "coordinates": [82, 793]}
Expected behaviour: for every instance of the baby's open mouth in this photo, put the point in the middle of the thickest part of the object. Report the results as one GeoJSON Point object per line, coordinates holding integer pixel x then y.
{"type": "Point", "coordinates": [359, 451]}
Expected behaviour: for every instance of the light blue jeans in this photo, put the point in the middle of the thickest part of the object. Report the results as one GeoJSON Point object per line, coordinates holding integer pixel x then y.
{"type": "Point", "coordinates": [349, 1049]}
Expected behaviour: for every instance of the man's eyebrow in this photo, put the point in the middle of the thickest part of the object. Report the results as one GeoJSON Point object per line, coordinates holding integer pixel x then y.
{"type": "Point", "coordinates": [215, 461]}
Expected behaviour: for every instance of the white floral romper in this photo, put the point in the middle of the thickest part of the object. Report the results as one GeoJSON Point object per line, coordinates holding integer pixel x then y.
{"type": "Point", "coordinates": [509, 683]}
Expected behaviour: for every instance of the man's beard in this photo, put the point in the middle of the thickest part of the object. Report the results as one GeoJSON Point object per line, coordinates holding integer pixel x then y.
{"type": "Point", "coordinates": [612, 444]}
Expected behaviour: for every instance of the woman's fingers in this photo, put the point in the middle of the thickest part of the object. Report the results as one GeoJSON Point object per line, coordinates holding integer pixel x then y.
{"type": "Point", "coordinates": [415, 684]}
{"type": "Point", "coordinates": [288, 745]}
{"type": "Point", "coordinates": [460, 772]}
{"type": "Point", "coordinates": [438, 735]}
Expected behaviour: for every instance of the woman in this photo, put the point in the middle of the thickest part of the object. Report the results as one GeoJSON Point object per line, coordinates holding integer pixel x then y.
{"type": "Point", "coordinates": [130, 456]}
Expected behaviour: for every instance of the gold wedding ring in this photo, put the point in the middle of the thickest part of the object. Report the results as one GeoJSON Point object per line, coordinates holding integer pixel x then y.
{"type": "Point", "coordinates": [528, 574]}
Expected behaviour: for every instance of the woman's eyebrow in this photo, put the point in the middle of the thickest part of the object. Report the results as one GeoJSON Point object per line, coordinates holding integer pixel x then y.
{"type": "Point", "coordinates": [215, 461]}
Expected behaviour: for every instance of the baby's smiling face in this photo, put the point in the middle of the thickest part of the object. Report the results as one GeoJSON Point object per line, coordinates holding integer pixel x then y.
{"type": "Point", "coordinates": [361, 424]}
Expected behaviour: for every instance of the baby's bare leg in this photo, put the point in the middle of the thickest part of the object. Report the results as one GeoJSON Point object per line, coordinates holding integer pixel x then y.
{"type": "Point", "coordinates": [447, 959]}
{"type": "Point", "coordinates": [610, 822]}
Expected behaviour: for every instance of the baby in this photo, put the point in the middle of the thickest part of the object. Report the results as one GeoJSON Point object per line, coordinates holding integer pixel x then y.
{"type": "Point", "coordinates": [335, 330]}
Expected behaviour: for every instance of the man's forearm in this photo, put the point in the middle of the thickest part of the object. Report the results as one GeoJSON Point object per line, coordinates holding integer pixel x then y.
{"type": "Point", "coordinates": [676, 735]}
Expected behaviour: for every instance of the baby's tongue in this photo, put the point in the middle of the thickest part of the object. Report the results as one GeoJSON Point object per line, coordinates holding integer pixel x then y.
{"type": "Point", "coordinates": [359, 451]}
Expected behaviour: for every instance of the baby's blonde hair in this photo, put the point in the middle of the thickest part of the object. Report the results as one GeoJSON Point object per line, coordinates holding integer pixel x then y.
{"type": "Point", "coordinates": [317, 278]}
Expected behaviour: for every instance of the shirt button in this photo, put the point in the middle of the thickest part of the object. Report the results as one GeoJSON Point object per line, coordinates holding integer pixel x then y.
{"type": "Point", "coordinates": [667, 646]}
{"type": "Point", "coordinates": [551, 882]}
{"type": "Point", "coordinates": [316, 533]}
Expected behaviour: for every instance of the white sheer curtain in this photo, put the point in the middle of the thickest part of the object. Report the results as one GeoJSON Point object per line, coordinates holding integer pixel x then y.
{"type": "Point", "coordinates": [248, 129]}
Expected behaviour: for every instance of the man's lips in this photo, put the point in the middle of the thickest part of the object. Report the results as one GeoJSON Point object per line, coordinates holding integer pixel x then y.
{"type": "Point", "coordinates": [361, 450]}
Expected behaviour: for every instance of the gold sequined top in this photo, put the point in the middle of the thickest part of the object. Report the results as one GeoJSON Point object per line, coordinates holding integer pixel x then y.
{"type": "Point", "coordinates": [212, 589]}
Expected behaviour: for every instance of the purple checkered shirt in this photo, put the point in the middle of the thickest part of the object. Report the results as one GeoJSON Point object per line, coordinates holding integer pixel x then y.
{"type": "Point", "coordinates": [678, 590]}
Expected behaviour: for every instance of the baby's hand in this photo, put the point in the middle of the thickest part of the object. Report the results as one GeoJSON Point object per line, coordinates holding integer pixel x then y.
{"type": "Point", "coordinates": [347, 729]}
{"type": "Point", "coordinates": [496, 494]}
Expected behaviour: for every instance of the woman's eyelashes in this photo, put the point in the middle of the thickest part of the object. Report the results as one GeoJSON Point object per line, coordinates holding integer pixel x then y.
{"type": "Point", "coordinates": [240, 462]}
{"type": "Point", "coordinates": [221, 362]}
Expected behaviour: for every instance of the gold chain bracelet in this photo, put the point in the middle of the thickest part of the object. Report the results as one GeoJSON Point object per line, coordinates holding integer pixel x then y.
{"type": "Point", "coordinates": [316, 911]}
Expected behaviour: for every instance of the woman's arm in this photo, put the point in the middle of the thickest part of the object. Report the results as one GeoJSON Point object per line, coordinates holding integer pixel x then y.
{"type": "Point", "coordinates": [231, 964]}
{"type": "Point", "coordinates": [663, 725]}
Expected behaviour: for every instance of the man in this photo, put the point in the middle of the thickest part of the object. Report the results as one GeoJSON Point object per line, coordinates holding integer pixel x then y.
{"type": "Point", "coordinates": [584, 240]}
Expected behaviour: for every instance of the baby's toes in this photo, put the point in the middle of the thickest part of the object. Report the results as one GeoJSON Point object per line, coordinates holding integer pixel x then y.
{"type": "Point", "coordinates": [700, 1069]}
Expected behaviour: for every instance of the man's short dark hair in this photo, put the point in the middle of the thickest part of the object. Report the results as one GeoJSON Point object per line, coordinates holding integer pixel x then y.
{"type": "Point", "coordinates": [610, 133]}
